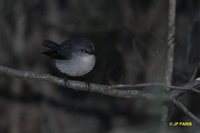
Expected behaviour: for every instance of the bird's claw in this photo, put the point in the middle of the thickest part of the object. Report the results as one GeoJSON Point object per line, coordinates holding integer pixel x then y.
{"type": "Point", "coordinates": [67, 84]}
{"type": "Point", "coordinates": [88, 85]}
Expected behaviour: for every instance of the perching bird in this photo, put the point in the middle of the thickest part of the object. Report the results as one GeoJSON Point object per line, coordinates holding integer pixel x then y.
{"type": "Point", "coordinates": [75, 57]}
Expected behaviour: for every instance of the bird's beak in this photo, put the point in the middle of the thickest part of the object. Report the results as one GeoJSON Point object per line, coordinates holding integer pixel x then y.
{"type": "Point", "coordinates": [93, 53]}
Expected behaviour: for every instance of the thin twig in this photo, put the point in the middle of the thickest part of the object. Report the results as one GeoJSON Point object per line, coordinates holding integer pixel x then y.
{"type": "Point", "coordinates": [195, 72]}
{"type": "Point", "coordinates": [185, 110]}
{"type": "Point", "coordinates": [159, 85]}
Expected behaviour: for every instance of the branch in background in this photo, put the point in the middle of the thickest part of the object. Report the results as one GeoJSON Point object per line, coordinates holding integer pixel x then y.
{"type": "Point", "coordinates": [185, 110]}
{"type": "Point", "coordinates": [170, 50]}
{"type": "Point", "coordinates": [171, 40]}
{"type": "Point", "coordinates": [119, 91]}
{"type": "Point", "coordinates": [195, 72]}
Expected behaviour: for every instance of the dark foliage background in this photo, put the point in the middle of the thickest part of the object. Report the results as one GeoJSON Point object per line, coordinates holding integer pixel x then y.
{"type": "Point", "coordinates": [130, 38]}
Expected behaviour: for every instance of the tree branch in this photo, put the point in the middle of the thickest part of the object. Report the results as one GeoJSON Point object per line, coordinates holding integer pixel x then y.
{"type": "Point", "coordinates": [170, 50]}
{"type": "Point", "coordinates": [77, 85]}
{"type": "Point", "coordinates": [171, 40]}
{"type": "Point", "coordinates": [119, 91]}
{"type": "Point", "coordinates": [185, 110]}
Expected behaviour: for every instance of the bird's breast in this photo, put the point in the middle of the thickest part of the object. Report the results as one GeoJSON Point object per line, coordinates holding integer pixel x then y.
{"type": "Point", "coordinates": [77, 66]}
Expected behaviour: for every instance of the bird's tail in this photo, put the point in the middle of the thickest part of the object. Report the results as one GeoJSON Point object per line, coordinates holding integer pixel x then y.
{"type": "Point", "coordinates": [53, 51]}
{"type": "Point", "coordinates": [50, 44]}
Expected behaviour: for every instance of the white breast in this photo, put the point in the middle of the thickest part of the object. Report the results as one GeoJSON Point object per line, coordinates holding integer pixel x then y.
{"type": "Point", "coordinates": [78, 66]}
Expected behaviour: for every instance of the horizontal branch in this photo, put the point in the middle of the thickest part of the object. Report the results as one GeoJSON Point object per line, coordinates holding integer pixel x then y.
{"type": "Point", "coordinates": [121, 91]}
{"type": "Point", "coordinates": [77, 85]}
{"type": "Point", "coordinates": [191, 86]}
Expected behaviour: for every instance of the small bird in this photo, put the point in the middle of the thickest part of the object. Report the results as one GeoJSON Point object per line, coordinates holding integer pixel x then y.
{"type": "Point", "coordinates": [74, 57]}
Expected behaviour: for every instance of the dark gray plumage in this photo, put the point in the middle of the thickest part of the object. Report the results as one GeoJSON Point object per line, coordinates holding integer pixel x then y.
{"type": "Point", "coordinates": [75, 57]}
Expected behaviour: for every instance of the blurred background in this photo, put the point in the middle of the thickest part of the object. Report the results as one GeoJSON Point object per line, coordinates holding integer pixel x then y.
{"type": "Point", "coordinates": [130, 39]}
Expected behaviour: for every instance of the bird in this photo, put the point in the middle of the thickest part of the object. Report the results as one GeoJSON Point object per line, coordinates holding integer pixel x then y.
{"type": "Point", "coordinates": [74, 57]}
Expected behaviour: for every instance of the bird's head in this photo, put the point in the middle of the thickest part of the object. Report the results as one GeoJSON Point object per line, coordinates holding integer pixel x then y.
{"type": "Point", "coordinates": [83, 46]}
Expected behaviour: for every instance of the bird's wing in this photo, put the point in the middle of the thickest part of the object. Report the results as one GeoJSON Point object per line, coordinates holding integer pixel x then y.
{"type": "Point", "coordinates": [61, 52]}
{"type": "Point", "coordinates": [50, 44]}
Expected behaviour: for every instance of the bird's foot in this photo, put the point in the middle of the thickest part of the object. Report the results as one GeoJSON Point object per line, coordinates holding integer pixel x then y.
{"type": "Point", "coordinates": [67, 84]}
{"type": "Point", "coordinates": [88, 85]}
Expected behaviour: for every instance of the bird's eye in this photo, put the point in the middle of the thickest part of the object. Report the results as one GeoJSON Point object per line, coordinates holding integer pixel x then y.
{"type": "Point", "coordinates": [83, 50]}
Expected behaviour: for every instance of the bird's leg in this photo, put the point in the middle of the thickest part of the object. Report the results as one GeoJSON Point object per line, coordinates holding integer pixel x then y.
{"type": "Point", "coordinates": [88, 81]}
{"type": "Point", "coordinates": [88, 85]}
{"type": "Point", "coordinates": [67, 84]}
